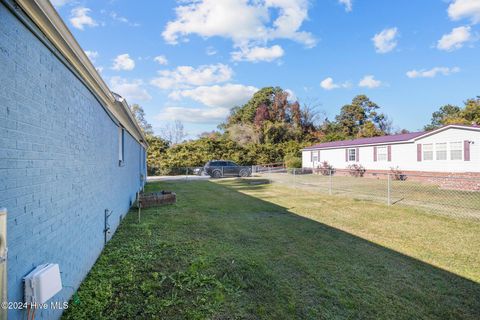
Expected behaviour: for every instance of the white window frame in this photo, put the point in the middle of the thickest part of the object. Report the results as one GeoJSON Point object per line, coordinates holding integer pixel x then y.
{"type": "Point", "coordinates": [382, 156]}
{"type": "Point", "coordinates": [424, 151]}
{"type": "Point", "coordinates": [121, 146]}
{"type": "Point", "coordinates": [459, 143]}
{"type": "Point", "coordinates": [441, 147]}
{"type": "Point", "coordinates": [350, 154]}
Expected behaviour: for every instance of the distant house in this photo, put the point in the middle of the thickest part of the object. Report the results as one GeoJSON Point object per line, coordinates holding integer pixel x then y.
{"type": "Point", "coordinates": [72, 157]}
{"type": "Point", "coordinates": [453, 148]}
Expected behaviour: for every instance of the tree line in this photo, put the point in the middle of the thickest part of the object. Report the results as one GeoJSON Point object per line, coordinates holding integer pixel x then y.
{"type": "Point", "coordinates": [270, 127]}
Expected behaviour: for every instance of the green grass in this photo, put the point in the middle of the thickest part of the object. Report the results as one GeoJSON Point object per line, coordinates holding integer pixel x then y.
{"type": "Point", "coordinates": [233, 250]}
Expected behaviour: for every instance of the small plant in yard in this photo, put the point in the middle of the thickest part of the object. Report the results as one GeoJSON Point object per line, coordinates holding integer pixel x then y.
{"type": "Point", "coordinates": [397, 174]}
{"type": "Point", "coordinates": [356, 170]}
{"type": "Point", "coordinates": [325, 169]}
{"type": "Point", "coordinates": [293, 164]}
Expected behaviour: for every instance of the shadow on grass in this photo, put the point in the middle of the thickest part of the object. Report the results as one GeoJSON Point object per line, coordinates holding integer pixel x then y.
{"type": "Point", "coordinates": [219, 253]}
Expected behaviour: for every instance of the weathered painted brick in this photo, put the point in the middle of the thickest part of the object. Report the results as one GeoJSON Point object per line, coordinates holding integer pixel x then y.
{"type": "Point", "coordinates": [58, 164]}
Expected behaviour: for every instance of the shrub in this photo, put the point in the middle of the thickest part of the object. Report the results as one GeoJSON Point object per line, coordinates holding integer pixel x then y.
{"type": "Point", "coordinates": [397, 174]}
{"type": "Point", "coordinates": [356, 170]}
{"type": "Point", "coordinates": [325, 169]}
{"type": "Point", "coordinates": [292, 161]}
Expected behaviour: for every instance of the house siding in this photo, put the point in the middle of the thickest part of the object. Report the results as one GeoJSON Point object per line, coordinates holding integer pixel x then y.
{"type": "Point", "coordinates": [59, 166]}
{"type": "Point", "coordinates": [404, 155]}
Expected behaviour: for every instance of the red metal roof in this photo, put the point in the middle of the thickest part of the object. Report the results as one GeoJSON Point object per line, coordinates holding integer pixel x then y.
{"type": "Point", "coordinates": [385, 139]}
{"type": "Point", "coordinates": [373, 140]}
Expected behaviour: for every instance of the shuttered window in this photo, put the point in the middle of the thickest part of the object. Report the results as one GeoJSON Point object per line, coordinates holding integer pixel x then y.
{"type": "Point", "coordinates": [352, 155]}
{"type": "Point", "coordinates": [428, 151]}
{"type": "Point", "coordinates": [382, 153]}
{"type": "Point", "coordinates": [456, 150]}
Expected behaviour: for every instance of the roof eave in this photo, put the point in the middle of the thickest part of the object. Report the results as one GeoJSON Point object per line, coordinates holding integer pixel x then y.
{"type": "Point", "coordinates": [46, 18]}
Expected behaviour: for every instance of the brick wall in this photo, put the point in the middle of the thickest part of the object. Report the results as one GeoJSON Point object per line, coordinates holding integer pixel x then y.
{"type": "Point", "coordinates": [58, 164]}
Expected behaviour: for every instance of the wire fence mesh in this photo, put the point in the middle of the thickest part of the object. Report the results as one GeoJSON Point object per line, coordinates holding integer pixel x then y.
{"type": "Point", "coordinates": [453, 195]}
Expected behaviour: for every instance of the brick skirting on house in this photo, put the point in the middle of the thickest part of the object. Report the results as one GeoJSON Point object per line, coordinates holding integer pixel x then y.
{"type": "Point", "coordinates": [467, 181]}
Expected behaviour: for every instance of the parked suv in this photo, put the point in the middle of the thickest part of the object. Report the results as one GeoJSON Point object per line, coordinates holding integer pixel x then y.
{"type": "Point", "coordinates": [223, 168]}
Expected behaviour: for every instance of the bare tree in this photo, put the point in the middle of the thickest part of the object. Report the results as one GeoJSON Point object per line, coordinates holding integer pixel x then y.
{"type": "Point", "coordinates": [312, 116]}
{"type": "Point", "coordinates": [173, 133]}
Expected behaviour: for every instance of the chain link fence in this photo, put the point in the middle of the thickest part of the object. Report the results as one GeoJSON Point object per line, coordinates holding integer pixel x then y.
{"type": "Point", "coordinates": [453, 195]}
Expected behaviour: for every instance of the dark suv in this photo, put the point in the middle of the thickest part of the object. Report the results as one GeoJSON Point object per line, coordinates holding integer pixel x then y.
{"type": "Point", "coordinates": [222, 168]}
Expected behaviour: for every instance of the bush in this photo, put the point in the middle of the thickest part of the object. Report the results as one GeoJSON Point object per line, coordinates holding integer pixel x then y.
{"type": "Point", "coordinates": [292, 162]}
{"type": "Point", "coordinates": [356, 170]}
{"type": "Point", "coordinates": [325, 169]}
{"type": "Point", "coordinates": [398, 174]}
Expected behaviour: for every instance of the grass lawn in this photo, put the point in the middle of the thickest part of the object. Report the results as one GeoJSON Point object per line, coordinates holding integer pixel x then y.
{"type": "Point", "coordinates": [233, 250]}
{"type": "Point", "coordinates": [428, 195]}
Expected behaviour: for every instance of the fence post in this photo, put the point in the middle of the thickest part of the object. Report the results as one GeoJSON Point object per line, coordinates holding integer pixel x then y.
{"type": "Point", "coordinates": [186, 174]}
{"type": "Point", "coordinates": [294, 180]}
{"type": "Point", "coordinates": [3, 262]}
{"type": "Point", "coordinates": [389, 187]}
{"type": "Point", "coordinates": [330, 191]}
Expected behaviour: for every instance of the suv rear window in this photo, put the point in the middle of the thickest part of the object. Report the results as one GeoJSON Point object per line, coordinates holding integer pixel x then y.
{"type": "Point", "coordinates": [217, 163]}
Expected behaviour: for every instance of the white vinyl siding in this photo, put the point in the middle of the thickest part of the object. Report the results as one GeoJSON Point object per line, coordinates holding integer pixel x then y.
{"type": "Point", "coordinates": [441, 151]}
{"type": "Point", "coordinates": [404, 155]}
{"type": "Point", "coordinates": [428, 151]}
{"type": "Point", "coordinates": [456, 150]}
{"type": "Point", "coordinates": [382, 154]}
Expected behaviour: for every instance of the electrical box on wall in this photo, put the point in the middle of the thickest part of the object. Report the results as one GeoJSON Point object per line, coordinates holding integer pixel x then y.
{"type": "Point", "coordinates": [42, 283]}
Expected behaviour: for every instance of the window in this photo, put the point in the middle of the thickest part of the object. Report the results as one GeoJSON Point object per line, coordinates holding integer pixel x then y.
{"type": "Point", "coordinates": [441, 151]}
{"type": "Point", "coordinates": [352, 155]}
{"type": "Point", "coordinates": [121, 146]}
{"type": "Point", "coordinates": [428, 151]}
{"type": "Point", "coordinates": [382, 154]}
{"type": "Point", "coordinates": [456, 151]}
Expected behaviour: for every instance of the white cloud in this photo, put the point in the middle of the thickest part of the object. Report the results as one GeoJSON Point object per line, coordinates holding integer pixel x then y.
{"type": "Point", "coordinates": [240, 20]}
{"type": "Point", "coordinates": [210, 51]}
{"type": "Point", "coordinates": [329, 84]}
{"type": "Point", "coordinates": [193, 115]}
{"type": "Point", "coordinates": [92, 55]}
{"type": "Point", "coordinates": [187, 76]}
{"type": "Point", "coordinates": [226, 96]}
{"type": "Point", "coordinates": [455, 39]}
{"type": "Point", "coordinates": [432, 72]}
{"type": "Point", "coordinates": [115, 16]}
{"type": "Point", "coordinates": [385, 40]}
{"type": "Point", "coordinates": [123, 62]}
{"type": "Point", "coordinates": [256, 54]}
{"type": "Point", "coordinates": [60, 3]}
{"type": "Point", "coordinates": [459, 9]}
{"type": "Point", "coordinates": [370, 82]}
{"type": "Point", "coordinates": [291, 95]}
{"type": "Point", "coordinates": [79, 18]}
{"type": "Point", "coordinates": [162, 60]}
{"type": "Point", "coordinates": [347, 3]}
{"type": "Point", "coordinates": [130, 90]}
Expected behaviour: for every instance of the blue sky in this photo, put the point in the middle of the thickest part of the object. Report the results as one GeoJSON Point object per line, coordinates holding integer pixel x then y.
{"type": "Point", "coordinates": [193, 60]}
